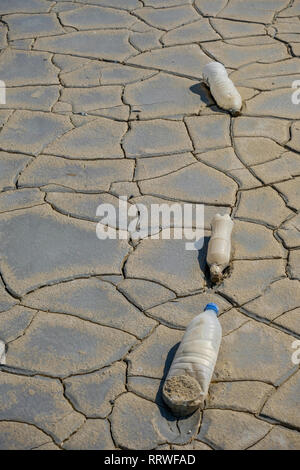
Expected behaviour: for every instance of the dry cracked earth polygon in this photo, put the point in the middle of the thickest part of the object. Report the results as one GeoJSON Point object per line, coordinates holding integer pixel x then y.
{"type": "Point", "coordinates": [104, 98]}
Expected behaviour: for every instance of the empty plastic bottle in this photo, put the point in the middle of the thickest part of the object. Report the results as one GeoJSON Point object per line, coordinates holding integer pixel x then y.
{"type": "Point", "coordinates": [219, 246]}
{"type": "Point", "coordinates": [222, 88]}
{"type": "Point", "coordinates": [188, 380]}
{"type": "Point", "coordinates": [2, 353]}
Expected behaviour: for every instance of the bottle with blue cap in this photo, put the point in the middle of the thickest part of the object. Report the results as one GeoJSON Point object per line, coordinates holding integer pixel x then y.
{"type": "Point", "coordinates": [189, 377]}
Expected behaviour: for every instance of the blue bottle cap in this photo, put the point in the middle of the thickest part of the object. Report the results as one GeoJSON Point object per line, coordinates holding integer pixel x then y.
{"type": "Point", "coordinates": [212, 306]}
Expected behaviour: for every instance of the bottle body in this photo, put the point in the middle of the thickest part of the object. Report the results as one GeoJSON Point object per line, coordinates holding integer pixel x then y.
{"type": "Point", "coordinates": [222, 88]}
{"type": "Point", "coordinates": [198, 350]}
{"type": "Point", "coordinates": [193, 364]}
{"type": "Point", "coordinates": [219, 246]}
{"type": "Point", "coordinates": [2, 353]}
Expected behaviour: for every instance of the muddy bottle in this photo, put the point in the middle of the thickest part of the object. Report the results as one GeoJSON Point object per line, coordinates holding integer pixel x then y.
{"type": "Point", "coordinates": [222, 88]}
{"type": "Point", "coordinates": [219, 246]}
{"type": "Point", "coordinates": [2, 353]}
{"type": "Point", "coordinates": [188, 380]}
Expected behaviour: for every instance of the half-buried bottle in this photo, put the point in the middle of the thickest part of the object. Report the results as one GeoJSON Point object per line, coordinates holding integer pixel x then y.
{"type": "Point", "coordinates": [189, 377]}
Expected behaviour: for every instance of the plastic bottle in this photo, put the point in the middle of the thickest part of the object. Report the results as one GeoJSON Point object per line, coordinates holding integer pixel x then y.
{"type": "Point", "coordinates": [222, 88]}
{"type": "Point", "coordinates": [2, 353]}
{"type": "Point", "coordinates": [219, 246]}
{"type": "Point", "coordinates": [188, 380]}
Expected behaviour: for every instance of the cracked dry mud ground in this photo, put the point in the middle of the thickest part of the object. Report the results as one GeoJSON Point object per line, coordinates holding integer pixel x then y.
{"type": "Point", "coordinates": [103, 99]}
